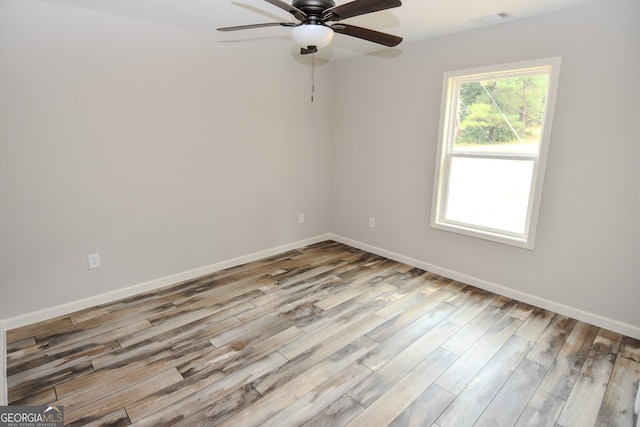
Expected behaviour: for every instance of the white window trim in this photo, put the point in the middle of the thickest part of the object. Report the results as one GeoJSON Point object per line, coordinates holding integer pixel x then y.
{"type": "Point", "coordinates": [447, 126]}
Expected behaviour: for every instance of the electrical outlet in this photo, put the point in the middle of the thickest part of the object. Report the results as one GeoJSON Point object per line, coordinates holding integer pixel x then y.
{"type": "Point", "coordinates": [94, 260]}
{"type": "Point", "coordinates": [372, 222]}
{"type": "Point", "coordinates": [300, 218]}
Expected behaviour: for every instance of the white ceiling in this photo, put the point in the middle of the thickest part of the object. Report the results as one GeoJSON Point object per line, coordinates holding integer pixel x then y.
{"type": "Point", "coordinates": [414, 20]}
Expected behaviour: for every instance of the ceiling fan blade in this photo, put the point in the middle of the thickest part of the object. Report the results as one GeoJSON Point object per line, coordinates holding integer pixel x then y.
{"type": "Point", "coordinates": [357, 7]}
{"type": "Point", "coordinates": [384, 39]}
{"type": "Point", "coordinates": [268, 24]}
{"type": "Point", "coordinates": [300, 15]}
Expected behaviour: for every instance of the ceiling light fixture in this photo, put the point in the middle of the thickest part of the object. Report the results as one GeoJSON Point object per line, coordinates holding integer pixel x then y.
{"type": "Point", "coordinates": [308, 35]}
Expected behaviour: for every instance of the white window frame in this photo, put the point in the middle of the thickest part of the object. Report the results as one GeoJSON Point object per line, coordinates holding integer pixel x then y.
{"type": "Point", "coordinates": [448, 112]}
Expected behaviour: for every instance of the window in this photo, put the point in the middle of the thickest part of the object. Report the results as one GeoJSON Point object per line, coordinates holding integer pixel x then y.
{"type": "Point", "coordinates": [494, 136]}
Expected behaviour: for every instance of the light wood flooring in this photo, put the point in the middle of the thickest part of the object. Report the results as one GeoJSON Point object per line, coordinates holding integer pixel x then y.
{"type": "Point", "coordinates": [326, 335]}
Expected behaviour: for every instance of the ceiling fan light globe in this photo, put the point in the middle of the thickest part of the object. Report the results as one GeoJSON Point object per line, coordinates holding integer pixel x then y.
{"type": "Point", "coordinates": [312, 35]}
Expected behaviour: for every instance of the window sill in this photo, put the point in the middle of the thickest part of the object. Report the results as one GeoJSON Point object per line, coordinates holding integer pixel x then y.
{"type": "Point", "coordinates": [520, 242]}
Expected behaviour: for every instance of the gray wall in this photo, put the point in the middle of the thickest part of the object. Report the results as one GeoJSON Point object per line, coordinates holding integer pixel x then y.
{"type": "Point", "coordinates": [386, 115]}
{"type": "Point", "coordinates": [161, 149]}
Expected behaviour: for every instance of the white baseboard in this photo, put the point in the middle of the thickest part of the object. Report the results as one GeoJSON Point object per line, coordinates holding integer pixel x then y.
{"type": "Point", "coordinates": [55, 311]}
{"type": "Point", "coordinates": [576, 313]}
{"type": "Point", "coordinates": [51, 312]}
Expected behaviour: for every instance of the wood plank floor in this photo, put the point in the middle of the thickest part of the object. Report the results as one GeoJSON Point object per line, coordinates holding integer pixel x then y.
{"type": "Point", "coordinates": [326, 335]}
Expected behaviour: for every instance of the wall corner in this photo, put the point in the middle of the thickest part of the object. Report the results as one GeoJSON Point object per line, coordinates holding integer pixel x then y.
{"type": "Point", "coordinates": [3, 365]}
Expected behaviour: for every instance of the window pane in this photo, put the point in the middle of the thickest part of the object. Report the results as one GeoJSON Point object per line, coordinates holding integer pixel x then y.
{"type": "Point", "coordinates": [501, 115]}
{"type": "Point", "coordinates": [491, 193]}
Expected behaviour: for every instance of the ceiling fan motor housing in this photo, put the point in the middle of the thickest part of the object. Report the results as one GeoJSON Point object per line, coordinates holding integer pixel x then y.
{"type": "Point", "coordinates": [313, 7]}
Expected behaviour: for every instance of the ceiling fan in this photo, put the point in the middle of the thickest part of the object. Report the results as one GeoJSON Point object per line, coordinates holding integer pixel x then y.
{"type": "Point", "coordinates": [314, 31]}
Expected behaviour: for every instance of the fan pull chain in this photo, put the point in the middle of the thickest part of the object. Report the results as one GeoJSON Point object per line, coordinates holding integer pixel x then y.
{"type": "Point", "coordinates": [313, 75]}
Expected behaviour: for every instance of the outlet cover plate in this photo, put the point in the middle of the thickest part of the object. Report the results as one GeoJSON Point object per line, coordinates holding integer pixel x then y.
{"type": "Point", "coordinates": [94, 260]}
